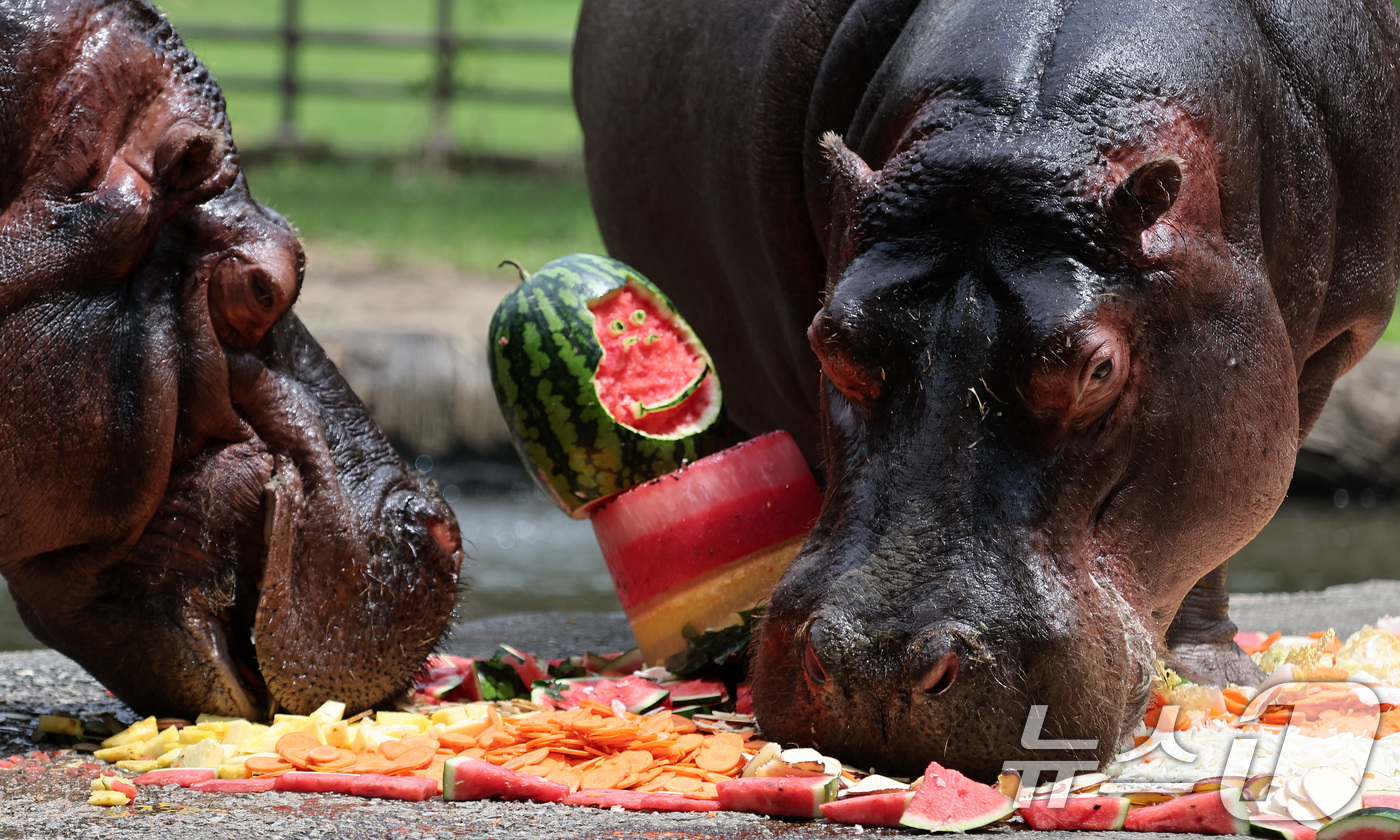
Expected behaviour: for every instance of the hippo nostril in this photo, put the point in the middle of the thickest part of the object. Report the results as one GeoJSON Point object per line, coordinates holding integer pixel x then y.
{"type": "Point", "coordinates": [812, 665]}
{"type": "Point", "coordinates": [444, 535]}
{"type": "Point", "coordinates": [941, 678]}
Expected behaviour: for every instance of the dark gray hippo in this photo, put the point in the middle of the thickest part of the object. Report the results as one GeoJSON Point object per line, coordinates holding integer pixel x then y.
{"type": "Point", "coordinates": [1049, 291]}
{"type": "Point", "coordinates": [193, 504]}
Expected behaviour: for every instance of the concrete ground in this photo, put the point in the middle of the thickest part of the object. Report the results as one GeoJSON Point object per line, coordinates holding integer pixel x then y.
{"type": "Point", "coordinates": [46, 796]}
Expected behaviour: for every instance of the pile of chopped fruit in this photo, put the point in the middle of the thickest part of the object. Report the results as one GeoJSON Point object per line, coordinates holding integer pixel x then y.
{"type": "Point", "coordinates": [1319, 738]}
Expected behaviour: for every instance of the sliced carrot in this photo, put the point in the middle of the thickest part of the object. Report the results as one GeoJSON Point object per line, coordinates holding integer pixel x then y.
{"type": "Point", "coordinates": [456, 741]}
{"type": "Point", "coordinates": [1235, 700]}
{"type": "Point", "coordinates": [718, 758]}
{"type": "Point", "coordinates": [524, 759]}
{"type": "Point", "coordinates": [263, 765]}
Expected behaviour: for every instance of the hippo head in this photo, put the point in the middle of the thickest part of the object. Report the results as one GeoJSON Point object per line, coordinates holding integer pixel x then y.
{"type": "Point", "coordinates": [1055, 395]}
{"type": "Point", "coordinates": [193, 504]}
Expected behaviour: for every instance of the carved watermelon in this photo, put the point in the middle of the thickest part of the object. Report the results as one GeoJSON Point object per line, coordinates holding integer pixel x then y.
{"type": "Point", "coordinates": [871, 809]}
{"type": "Point", "coordinates": [602, 384]}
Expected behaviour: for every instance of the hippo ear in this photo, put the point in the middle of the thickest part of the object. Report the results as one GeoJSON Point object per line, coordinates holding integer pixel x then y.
{"type": "Point", "coordinates": [1144, 196]}
{"type": "Point", "coordinates": [853, 183]}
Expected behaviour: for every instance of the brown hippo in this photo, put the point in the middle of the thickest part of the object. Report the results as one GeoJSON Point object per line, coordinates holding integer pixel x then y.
{"type": "Point", "coordinates": [1049, 291]}
{"type": "Point", "coordinates": [193, 504]}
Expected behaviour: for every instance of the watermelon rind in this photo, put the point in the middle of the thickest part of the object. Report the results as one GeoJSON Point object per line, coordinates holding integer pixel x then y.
{"type": "Point", "coordinates": [1272, 825]}
{"type": "Point", "coordinates": [798, 797]}
{"type": "Point", "coordinates": [1076, 813]}
{"type": "Point", "coordinates": [1194, 813]}
{"type": "Point", "coordinates": [884, 809]}
{"type": "Point", "coordinates": [949, 801]}
{"type": "Point", "coordinates": [544, 356]}
{"type": "Point", "coordinates": [1366, 824]}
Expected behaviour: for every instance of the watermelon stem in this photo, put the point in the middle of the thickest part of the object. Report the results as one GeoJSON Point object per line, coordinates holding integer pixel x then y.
{"type": "Point", "coordinates": [524, 275]}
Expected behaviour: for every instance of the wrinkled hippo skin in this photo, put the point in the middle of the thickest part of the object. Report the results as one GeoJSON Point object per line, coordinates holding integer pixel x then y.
{"type": "Point", "coordinates": [193, 504]}
{"type": "Point", "coordinates": [1050, 308]}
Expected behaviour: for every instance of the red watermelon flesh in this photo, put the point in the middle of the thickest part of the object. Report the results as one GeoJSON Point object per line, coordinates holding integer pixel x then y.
{"type": "Point", "coordinates": [949, 801]}
{"type": "Point", "coordinates": [1194, 813]}
{"type": "Point", "coordinates": [723, 507]}
{"type": "Point", "coordinates": [653, 377]}
{"type": "Point", "coordinates": [871, 809]}
{"type": "Point", "coordinates": [778, 796]}
{"type": "Point", "coordinates": [636, 694]}
{"type": "Point", "coordinates": [1381, 799]}
{"type": "Point", "coordinates": [261, 785]}
{"type": "Point", "coordinates": [182, 776]}
{"type": "Point", "coordinates": [467, 778]}
{"type": "Point", "coordinates": [1079, 813]}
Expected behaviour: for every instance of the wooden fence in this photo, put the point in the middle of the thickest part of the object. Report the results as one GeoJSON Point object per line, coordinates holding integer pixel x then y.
{"type": "Point", "coordinates": [440, 90]}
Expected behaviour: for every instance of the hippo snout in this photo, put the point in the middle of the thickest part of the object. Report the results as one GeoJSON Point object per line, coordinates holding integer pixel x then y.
{"type": "Point", "coordinates": [926, 667]}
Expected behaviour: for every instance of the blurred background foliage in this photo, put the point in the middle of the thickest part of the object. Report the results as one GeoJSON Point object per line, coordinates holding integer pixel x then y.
{"type": "Point", "coordinates": [358, 179]}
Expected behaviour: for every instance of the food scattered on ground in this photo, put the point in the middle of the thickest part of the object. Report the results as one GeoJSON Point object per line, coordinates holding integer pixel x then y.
{"type": "Point", "coordinates": [727, 526]}
{"type": "Point", "coordinates": [602, 384]}
{"type": "Point", "coordinates": [579, 743]}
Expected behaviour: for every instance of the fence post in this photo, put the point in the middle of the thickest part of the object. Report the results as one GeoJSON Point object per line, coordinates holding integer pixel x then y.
{"type": "Point", "coordinates": [438, 151]}
{"type": "Point", "coordinates": [287, 134]}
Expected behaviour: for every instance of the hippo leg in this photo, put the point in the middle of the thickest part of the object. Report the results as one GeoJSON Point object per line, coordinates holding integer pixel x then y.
{"type": "Point", "coordinates": [1201, 640]}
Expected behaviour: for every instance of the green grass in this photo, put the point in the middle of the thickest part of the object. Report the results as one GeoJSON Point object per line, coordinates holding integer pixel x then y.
{"type": "Point", "coordinates": [375, 125]}
{"type": "Point", "coordinates": [471, 221]}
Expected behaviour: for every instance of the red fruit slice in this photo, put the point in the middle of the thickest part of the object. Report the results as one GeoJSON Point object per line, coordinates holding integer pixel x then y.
{"type": "Point", "coordinates": [636, 694]}
{"type": "Point", "coordinates": [1194, 813]}
{"type": "Point", "coordinates": [235, 785]}
{"type": "Point", "coordinates": [778, 796]}
{"type": "Point", "coordinates": [182, 776]}
{"type": "Point", "coordinates": [471, 778]}
{"type": "Point", "coordinates": [949, 801]}
{"type": "Point", "coordinates": [871, 809]}
{"type": "Point", "coordinates": [299, 781]}
{"type": "Point", "coordinates": [1078, 813]}
{"type": "Point", "coordinates": [381, 786]}
{"type": "Point", "coordinates": [711, 539]}
{"type": "Point", "coordinates": [654, 376]}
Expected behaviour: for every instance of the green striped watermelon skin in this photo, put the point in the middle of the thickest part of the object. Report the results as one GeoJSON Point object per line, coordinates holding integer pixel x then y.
{"type": "Point", "coordinates": [544, 355]}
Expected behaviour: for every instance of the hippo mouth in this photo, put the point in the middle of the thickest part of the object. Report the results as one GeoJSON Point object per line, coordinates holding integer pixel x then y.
{"type": "Point", "coordinates": [299, 564]}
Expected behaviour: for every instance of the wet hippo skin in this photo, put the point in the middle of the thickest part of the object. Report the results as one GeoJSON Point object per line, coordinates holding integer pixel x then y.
{"type": "Point", "coordinates": [193, 504]}
{"type": "Point", "coordinates": [1048, 292]}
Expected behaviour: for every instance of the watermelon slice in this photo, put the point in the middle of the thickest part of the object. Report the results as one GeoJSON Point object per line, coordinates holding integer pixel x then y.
{"type": "Point", "coordinates": [1272, 825]}
{"type": "Point", "coordinates": [637, 695]}
{"type": "Point", "coordinates": [182, 776]}
{"type": "Point", "coordinates": [778, 796]}
{"type": "Point", "coordinates": [235, 785]}
{"type": "Point", "coordinates": [299, 781]}
{"type": "Point", "coordinates": [710, 540]}
{"type": "Point", "coordinates": [1366, 824]}
{"type": "Point", "coordinates": [699, 692]}
{"type": "Point", "coordinates": [1194, 813]}
{"type": "Point", "coordinates": [1381, 799]}
{"type": "Point", "coordinates": [949, 801]}
{"type": "Point", "coordinates": [871, 809]}
{"type": "Point", "coordinates": [1078, 813]}
{"type": "Point", "coordinates": [467, 778]}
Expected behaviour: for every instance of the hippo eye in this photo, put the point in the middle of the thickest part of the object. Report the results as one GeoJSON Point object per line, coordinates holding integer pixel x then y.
{"type": "Point", "coordinates": [639, 316]}
{"type": "Point", "coordinates": [262, 290]}
{"type": "Point", "coordinates": [617, 327]}
{"type": "Point", "coordinates": [1103, 371]}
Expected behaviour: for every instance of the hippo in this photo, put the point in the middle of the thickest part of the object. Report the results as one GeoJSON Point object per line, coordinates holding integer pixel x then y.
{"type": "Point", "coordinates": [1048, 292]}
{"type": "Point", "coordinates": [193, 504]}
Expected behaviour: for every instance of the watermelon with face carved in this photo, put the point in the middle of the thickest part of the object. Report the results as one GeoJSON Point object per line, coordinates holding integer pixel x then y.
{"type": "Point", "coordinates": [602, 384]}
